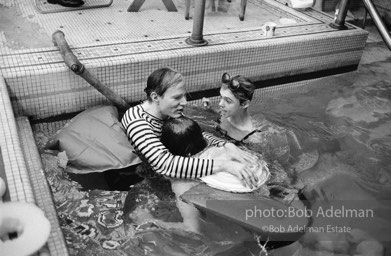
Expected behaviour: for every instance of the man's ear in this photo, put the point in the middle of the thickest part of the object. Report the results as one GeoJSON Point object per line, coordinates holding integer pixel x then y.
{"type": "Point", "coordinates": [245, 104]}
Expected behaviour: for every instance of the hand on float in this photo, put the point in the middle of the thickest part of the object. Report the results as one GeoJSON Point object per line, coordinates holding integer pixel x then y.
{"type": "Point", "coordinates": [262, 165]}
{"type": "Point", "coordinates": [240, 155]}
{"type": "Point", "coordinates": [244, 172]}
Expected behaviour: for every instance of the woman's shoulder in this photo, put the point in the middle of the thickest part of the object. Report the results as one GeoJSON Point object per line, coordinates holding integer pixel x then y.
{"type": "Point", "coordinates": [265, 125]}
{"type": "Point", "coordinates": [228, 131]}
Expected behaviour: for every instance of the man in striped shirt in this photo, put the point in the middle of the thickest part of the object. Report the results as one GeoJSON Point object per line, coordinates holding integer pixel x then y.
{"type": "Point", "coordinates": [143, 124]}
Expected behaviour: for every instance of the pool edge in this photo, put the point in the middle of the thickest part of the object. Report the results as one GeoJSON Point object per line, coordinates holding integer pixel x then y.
{"type": "Point", "coordinates": [43, 196]}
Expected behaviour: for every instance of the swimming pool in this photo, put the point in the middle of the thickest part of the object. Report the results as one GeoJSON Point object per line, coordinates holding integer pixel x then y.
{"type": "Point", "coordinates": [346, 118]}
{"type": "Point", "coordinates": [32, 89]}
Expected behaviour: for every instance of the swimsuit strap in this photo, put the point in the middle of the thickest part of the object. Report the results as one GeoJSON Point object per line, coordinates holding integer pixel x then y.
{"type": "Point", "coordinates": [249, 134]}
{"type": "Point", "coordinates": [224, 133]}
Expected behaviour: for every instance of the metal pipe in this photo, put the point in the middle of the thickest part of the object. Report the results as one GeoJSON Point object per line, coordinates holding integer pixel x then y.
{"type": "Point", "coordinates": [196, 37]}
{"type": "Point", "coordinates": [378, 22]}
{"type": "Point", "coordinates": [341, 12]}
{"type": "Point", "coordinates": [76, 66]}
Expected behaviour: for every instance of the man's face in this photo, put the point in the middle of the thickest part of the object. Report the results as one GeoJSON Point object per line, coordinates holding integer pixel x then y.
{"type": "Point", "coordinates": [173, 101]}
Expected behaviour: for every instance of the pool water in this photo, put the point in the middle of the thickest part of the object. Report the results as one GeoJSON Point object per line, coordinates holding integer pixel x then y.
{"type": "Point", "coordinates": [345, 118]}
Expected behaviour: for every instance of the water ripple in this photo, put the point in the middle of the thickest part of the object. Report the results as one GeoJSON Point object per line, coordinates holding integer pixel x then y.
{"type": "Point", "coordinates": [381, 146]}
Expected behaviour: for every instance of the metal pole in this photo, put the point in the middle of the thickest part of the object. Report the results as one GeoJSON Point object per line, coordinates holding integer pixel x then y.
{"type": "Point", "coordinates": [196, 37]}
{"type": "Point", "coordinates": [379, 22]}
{"type": "Point", "coordinates": [74, 64]}
{"type": "Point", "coordinates": [339, 21]}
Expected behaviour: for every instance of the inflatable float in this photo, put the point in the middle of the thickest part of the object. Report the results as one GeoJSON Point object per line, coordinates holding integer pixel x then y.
{"type": "Point", "coordinates": [24, 229]}
{"type": "Point", "coordinates": [228, 182]}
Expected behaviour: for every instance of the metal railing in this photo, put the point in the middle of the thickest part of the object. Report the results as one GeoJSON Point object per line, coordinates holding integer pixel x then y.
{"type": "Point", "coordinates": [378, 22]}
{"type": "Point", "coordinates": [341, 12]}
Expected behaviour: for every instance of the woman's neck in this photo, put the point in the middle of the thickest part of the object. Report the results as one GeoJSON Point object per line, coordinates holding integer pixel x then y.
{"type": "Point", "coordinates": [152, 109]}
{"type": "Point", "coordinates": [241, 121]}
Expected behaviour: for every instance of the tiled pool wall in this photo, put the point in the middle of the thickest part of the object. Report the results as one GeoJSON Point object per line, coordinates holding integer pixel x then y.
{"type": "Point", "coordinates": [24, 176]}
{"type": "Point", "coordinates": [17, 177]}
{"type": "Point", "coordinates": [52, 89]}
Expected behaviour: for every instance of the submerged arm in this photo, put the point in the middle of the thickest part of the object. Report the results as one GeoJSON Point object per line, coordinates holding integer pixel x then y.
{"type": "Point", "coordinates": [213, 140]}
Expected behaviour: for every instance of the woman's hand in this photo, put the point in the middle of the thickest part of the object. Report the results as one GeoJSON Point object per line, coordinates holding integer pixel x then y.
{"type": "Point", "coordinates": [240, 155]}
{"type": "Point", "coordinates": [244, 172]}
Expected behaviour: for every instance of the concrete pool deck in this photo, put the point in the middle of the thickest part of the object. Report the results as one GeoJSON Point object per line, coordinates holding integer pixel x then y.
{"type": "Point", "coordinates": [122, 48]}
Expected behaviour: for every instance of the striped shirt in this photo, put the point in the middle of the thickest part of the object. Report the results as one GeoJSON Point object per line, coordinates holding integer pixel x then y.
{"type": "Point", "coordinates": [144, 132]}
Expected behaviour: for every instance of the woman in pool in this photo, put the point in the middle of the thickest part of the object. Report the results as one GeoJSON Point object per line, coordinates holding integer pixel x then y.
{"type": "Point", "coordinates": [237, 125]}
{"type": "Point", "coordinates": [166, 98]}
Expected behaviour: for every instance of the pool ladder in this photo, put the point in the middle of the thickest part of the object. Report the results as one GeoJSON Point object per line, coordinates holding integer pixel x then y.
{"type": "Point", "coordinates": [339, 22]}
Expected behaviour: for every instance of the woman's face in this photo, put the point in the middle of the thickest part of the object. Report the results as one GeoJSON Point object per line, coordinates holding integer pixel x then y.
{"type": "Point", "coordinates": [173, 101]}
{"type": "Point", "coordinates": [229, 104]}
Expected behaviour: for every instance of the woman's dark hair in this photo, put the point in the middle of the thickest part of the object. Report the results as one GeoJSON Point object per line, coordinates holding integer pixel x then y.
{"type": "Point", "coordinates": [162, 79]}
{"type": "Point", "coordinates": [241, 87]}
{"type": "Point", "coordinates": [183, 136]}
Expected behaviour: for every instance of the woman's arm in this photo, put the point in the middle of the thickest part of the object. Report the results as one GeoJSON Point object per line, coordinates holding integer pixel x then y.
{"type": "Point", "coordinates": [213, 140]}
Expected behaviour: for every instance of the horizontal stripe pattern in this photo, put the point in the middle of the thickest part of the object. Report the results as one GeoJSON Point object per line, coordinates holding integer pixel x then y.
{"type": "Point", "coordinates": [144, 132]}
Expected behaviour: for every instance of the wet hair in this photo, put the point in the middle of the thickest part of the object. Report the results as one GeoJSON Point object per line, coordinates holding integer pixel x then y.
{"type": "Point", "coordinates": [241, 87]}
{"type": "Point", "coordinates": [162, 79]}
{"type": "Point", "coordinates": [183, 136]}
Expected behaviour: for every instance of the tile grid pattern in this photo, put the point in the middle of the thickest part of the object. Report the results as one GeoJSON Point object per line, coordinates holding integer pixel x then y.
{"type": "Point", "coordinates": [56, 242]}
{"type": "Point", "coordinates": [31, 62]}
{"type": "Point", "coordinates": [115, 24]}
{"type": "Point", "coordinates": [58, 90]}
{"type": "Point", "coordinates": [41, 85]}
{"type": "Point", "coordinates": [18, 182]}
{"type": "Point", "coordinates": [44, 6]}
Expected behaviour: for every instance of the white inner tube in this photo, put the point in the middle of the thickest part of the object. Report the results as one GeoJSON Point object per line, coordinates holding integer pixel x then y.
{"type": "Point", "coordinates": [30, 224]}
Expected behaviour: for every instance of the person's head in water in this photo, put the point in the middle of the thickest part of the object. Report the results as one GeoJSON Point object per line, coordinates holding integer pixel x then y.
{"type": "Point", "coordinates": [236, 93]}
{"type": "Point", "coordinates": [183, 136]}
{"type": "Point", "coordinates": [166, 88]}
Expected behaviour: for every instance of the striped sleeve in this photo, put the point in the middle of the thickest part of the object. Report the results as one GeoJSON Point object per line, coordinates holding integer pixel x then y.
{"type": "Point", "coordinates": [213, 140]}
{"type": "Point", "coordinates": [145, 141]}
